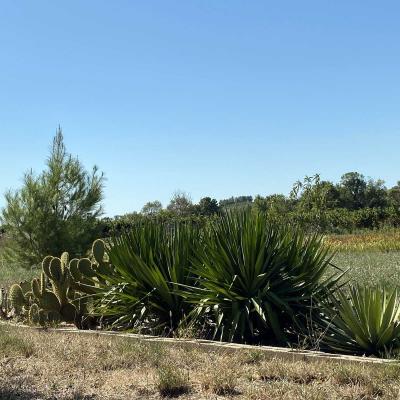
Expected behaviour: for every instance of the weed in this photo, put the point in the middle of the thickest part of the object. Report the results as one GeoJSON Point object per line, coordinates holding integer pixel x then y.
{"type": "Point", "coordinates": [172, 381]}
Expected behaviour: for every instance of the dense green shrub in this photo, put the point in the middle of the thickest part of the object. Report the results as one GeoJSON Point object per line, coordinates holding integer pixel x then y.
{"type": "Point", "coordinates": [258, 281]}
{"type": "Point", "coordinates": [151, 263]}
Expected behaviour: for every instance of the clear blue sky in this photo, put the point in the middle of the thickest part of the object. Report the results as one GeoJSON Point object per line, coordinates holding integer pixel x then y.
{"type": "Point", "coordinates": [215, 98]}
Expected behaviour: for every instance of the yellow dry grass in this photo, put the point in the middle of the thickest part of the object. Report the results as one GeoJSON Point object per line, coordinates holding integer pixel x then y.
{"type": "Point", "coordinates": [47, 365]}
{"type": "Point", "coordinates": [385, 240]}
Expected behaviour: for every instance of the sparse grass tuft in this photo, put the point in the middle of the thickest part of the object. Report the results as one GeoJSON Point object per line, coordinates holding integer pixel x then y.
{"type": "Point", "coordinates": [221, 376]}
{"type": "Point", "coordinates": [172, 381]}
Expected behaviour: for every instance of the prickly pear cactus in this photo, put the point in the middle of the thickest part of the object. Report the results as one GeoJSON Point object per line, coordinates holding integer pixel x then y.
{"type": "Point", "coordinates": [18, 300]}
{"type": "Point", "coordinates": [102, 265]}
{"type": "Point", "coordinates": [58, 273]}
{"type": "Point", "coordinates": [61, 292]}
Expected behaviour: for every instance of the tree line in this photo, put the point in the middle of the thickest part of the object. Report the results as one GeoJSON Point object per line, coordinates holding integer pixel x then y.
{"type": "Point", "coordinates": [61, 209]}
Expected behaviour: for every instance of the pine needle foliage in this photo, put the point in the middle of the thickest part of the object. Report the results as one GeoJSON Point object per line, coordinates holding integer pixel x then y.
{"type": "Point", "coordinates": [54, 211]}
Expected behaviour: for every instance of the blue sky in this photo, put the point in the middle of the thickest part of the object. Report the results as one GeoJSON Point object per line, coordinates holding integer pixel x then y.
{"type": "Point", "coordinates": [215, 98]}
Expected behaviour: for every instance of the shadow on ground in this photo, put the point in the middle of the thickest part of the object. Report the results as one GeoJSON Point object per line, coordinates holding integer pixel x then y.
{"type": "Point", "coordinates": [22, 394]}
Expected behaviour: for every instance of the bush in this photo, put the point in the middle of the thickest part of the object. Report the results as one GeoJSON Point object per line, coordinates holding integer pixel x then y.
{"type": "Point", "coordinates": [258, 281]}
{"type": "Point", "coordinates": [151, 263]}
{"type": "Point", "coordinates": [365, 320]}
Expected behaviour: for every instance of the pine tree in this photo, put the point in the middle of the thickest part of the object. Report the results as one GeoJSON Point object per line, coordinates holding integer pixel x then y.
{"type": "Point", "coordinates": [54, 211]}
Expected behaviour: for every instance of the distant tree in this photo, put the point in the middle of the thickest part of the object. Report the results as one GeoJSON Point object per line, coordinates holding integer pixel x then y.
{"type": "Point", "coordinates": [152, 208]}
{"type": "Point", "coordinates": [313, 194]}
{"type": "Point", "coordinates": [376, 194]}
{"type": "Point", "coordinates": [274, 204]}
{"type": "Point", "coordinates": [353, 187]}
{"type": "Point", "coordinates": [180, 204]}
{"type": "Point", "coordinates": [394, 196]}
{"type": "Point", "coordinates": [207, 206]}
{"type": "Point", "coordinates": [55, 211]}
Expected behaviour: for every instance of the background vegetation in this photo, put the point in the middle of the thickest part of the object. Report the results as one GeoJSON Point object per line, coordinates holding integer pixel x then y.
{"type": "Point", "coordinates": [241, 269]}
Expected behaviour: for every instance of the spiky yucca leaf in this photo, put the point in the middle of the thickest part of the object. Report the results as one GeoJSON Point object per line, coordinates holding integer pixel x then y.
{"type": "Point", "coordinates": [149, 263]}
{"type": "Point", "coordinates": [364, 320]}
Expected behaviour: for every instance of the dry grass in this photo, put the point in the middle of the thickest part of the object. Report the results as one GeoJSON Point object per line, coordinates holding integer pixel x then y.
{"type": "Point", "coordinates": [384, 240]}
{"type": "Point", "coordinates": [44, 365]}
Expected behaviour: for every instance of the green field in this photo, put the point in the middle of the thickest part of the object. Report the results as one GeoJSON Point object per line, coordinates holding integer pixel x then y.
{"type": "Point", "coordinates": [370, 267]}
{"type": "Point", "coordinates": [367, 267]}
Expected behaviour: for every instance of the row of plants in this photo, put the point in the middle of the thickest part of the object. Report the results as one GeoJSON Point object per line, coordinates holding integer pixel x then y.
{"type": "Point", "coordinates": [241, 278]}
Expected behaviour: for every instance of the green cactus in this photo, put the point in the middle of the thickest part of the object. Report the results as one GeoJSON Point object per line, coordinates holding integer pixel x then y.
{"type": "Point", "coordinates": [46, 265]}
{"type": "Point", "coordinates": [99, 254]}
{"type": "Point", "coordinates": [42, 317]}
{"type": "Point", "coordinates": [59, 293]}
{"type": "Point", "coordinates": [98, 250]}
{"type": "Point", "coordinates": [58, 273]}
{"type": "Point", "coordinates": [17, 299]}
{"type": "Point", "coordinates": [46, 300]}
{"type": "Point", "coordinates": [54, 317]}
{"type": "Point", "coordinates": [86, 269]}
{"type": "Point", "coordinates": [74, 270]}
{"type": "Point", "coordinates": [25, 286]}
{"type": "Point", "coordinates": [83, 275]}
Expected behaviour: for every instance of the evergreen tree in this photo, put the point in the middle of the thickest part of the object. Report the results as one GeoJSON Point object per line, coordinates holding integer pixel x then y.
{"type": "Point", "coordinates": [54, 211]}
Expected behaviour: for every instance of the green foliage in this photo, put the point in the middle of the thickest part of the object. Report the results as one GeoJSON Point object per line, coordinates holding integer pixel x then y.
{"type": "Point", "coordinates": [365, 320]}
{"type": "Point", "coordinates": [256, 280]}
{"type": "Point", "coordinates": [207, 206]}
{"type": "Point", "coordinates": [151, 262]}
{"type": "Point", "coordinates": [53, 211]}
{"type": "Point", "coordinates": [152, 208]}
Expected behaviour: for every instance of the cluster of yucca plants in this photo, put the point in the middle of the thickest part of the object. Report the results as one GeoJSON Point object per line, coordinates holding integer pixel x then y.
{"type": "Point", "coordinates": [240, 279]}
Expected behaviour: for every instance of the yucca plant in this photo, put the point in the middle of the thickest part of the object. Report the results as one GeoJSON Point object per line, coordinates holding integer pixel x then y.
{"type": "Point", "coordinates": [257, 281]}
{"type": "Point", "coordinates": [150, 263]}
{"type": "Point", "coordinates": [363, 320]}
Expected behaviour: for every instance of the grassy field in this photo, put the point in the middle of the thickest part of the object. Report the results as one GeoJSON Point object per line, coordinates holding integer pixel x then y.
{"type": "Point", "coordinates": [44, 365]}
{"type": "Point", "coordinates": [10, 275]}
{"type": "Point", "coordinates": [369, 267]}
